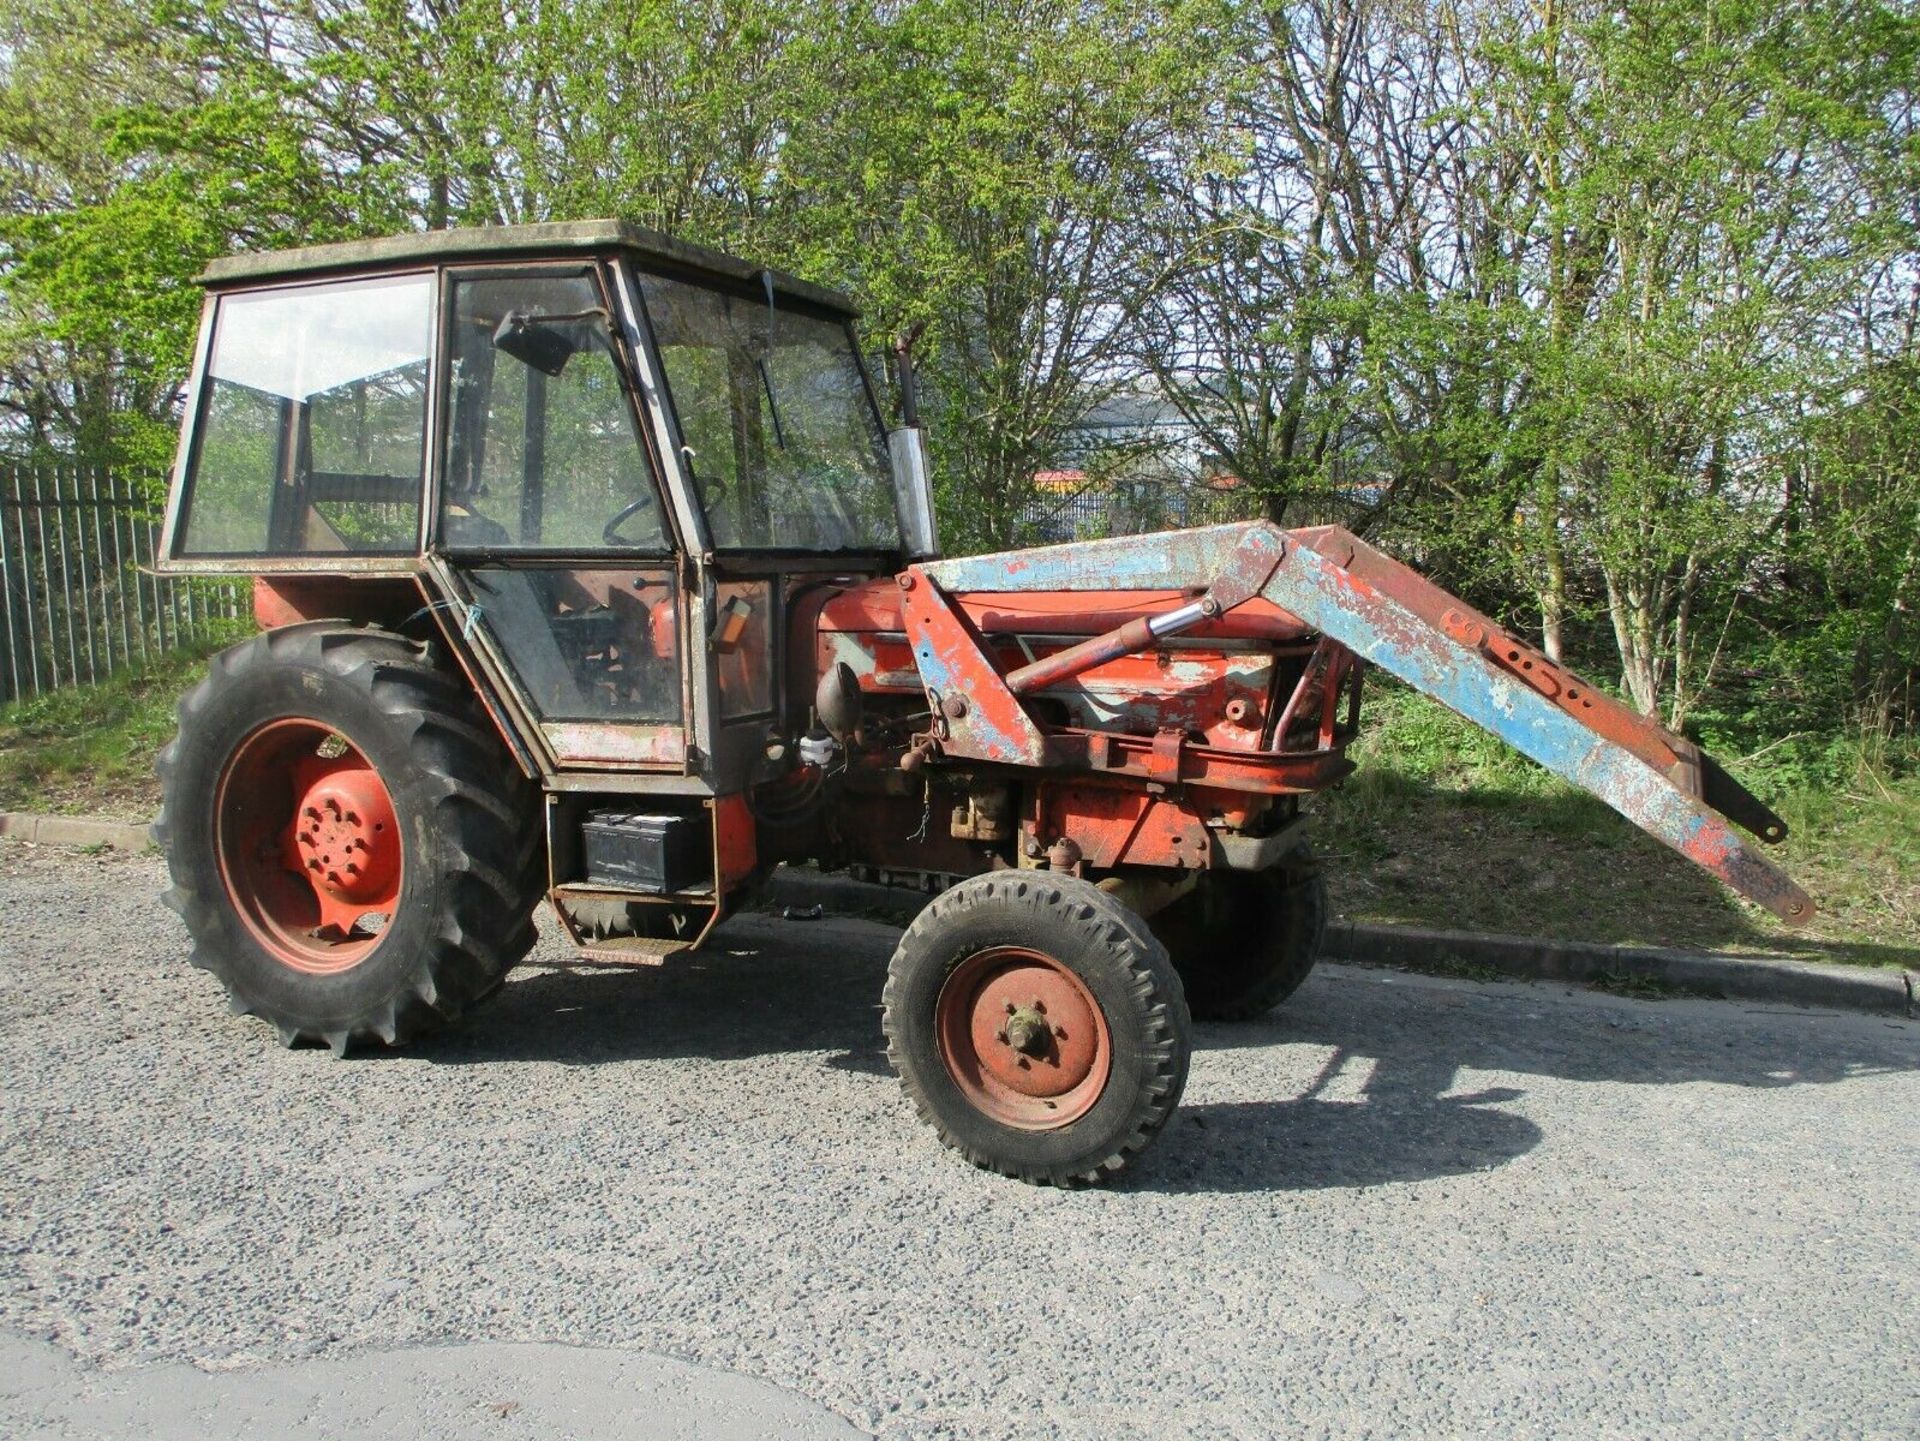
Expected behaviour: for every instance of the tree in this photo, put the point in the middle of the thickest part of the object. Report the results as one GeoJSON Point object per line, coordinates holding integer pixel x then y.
{"type": "Point", "coordinates": [984, 174]}
{"type": "Point", "coordinates": [135, 148]}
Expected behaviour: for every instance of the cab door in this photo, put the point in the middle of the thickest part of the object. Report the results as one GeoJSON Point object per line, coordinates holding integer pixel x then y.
{"type": "Point", "coordinates": [556, 546]}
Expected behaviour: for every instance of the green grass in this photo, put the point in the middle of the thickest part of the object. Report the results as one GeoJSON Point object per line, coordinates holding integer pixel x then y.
{"type": "Point", "coordinates": [1445, 826]}
{"type": "Point", "coordinates": [88, 750]}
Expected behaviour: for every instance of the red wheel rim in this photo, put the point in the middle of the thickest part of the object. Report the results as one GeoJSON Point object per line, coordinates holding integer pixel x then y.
{"type": "Point", "coordinates": [1023, 1038]}
{"type": "Point", "coordinates": [308, 845]}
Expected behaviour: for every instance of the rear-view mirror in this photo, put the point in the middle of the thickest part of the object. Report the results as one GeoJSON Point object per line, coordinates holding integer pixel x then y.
{"type": "Point", "coordinates": [545, 342]}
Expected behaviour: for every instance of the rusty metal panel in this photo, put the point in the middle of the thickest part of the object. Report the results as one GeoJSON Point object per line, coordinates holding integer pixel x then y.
{"type": "Point", "coordinates": [1114, 825]}
{"type": "Point", "coordinates": [982, 719]}
{"type": "Point", "coordinates": [1672, 755]}
{"type": "Point", "coordinates": [1257, 853]}
{"type": "Point", "coordinates": [1177, 558]}
{"type": "Point", "coordinates": [577, 743]}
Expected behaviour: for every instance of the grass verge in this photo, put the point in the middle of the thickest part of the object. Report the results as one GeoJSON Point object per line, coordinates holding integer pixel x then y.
{"type": "Point", "coordinates": [89, 750]}
{"type": "Point", "coordinates": [1444, 826]}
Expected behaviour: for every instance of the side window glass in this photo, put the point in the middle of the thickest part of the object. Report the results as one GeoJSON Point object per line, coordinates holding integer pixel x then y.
{"type": "Point", "coordinates": [586, 644]}
{"type": "Point", "coordinates": [542, 450]}
{"type": "Point", "coordinates": [312, 429]}
{"type": "Point", "coordinates": [744, 643]}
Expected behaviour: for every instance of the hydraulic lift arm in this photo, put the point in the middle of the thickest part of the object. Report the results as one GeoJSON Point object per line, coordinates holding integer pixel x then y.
{"type": "Point", "coordinates": [1384, 613]}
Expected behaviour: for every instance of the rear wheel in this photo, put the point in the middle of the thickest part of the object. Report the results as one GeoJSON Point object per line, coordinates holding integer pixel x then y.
{"type": "Point", "coordinates": [1243, 941]}
{"type": "Point", "coordinates": [355, 856]}
{"type": "Point", "coordinates": [1038, 1026]}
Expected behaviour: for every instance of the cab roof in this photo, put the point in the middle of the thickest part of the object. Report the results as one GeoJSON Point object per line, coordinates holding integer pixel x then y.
{"type": "Point", "coordinates": [494, 242]}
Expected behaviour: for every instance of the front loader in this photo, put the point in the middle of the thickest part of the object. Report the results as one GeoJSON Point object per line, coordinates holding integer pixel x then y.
{"type": "Point", "coordinates": [588, 572]}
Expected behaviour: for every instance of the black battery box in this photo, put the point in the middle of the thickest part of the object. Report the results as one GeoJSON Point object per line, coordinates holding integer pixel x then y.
{"type": "Point", "coordinates": [651, 853]}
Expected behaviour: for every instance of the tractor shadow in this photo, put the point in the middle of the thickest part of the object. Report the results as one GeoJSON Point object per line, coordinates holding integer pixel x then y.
{"type": "Point", "coordinates": [760, 987]}
{"type": "Point", "coordinates": [1371, 1078]}
{"type": "Point", "coordinates": [1422, 1077]}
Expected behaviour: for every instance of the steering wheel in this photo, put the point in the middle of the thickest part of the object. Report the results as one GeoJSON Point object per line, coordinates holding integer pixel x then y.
{"type": "Point", "coordinates": [610, 532]}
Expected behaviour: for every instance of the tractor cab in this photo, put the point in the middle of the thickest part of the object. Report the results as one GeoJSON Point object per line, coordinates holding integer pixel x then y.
{"type": "Point", "coordinates": [599, 462]}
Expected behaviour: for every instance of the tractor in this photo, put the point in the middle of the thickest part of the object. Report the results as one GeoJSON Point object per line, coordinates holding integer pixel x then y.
{"type": "Point", "coordinates": [588, 570]}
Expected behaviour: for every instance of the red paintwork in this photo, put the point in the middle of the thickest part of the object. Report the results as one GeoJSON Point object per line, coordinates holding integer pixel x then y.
{"type": "Point", "coordinates": [308, 845]}
{"type": "Point", "coordinates": [1061, 1075]}
{"type": "Point", "coordinates": [1139, 742]}
{"type": "Point", "coordinates": [876, 606]}
{"type": "Point", "coordinates": [344, 838]}
{"type": "Point", "coordinates": [374, 600]}
{"type": "Point", "coordinates": [1115, 825]}
{"type": "Point", "coordinates": [734, 845]}
{"type": "Point", "coordinates": [1188, 681]}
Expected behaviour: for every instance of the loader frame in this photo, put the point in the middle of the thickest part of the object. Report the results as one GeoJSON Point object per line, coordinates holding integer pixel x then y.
{"type": "Point", "coordinates": [1366, 608]}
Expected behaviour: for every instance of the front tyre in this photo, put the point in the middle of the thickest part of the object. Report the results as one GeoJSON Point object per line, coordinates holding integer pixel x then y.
{"type": "Point", "coordinates": [355, 855]}
{"type": "Point", "coordinates": [1038, 1026]}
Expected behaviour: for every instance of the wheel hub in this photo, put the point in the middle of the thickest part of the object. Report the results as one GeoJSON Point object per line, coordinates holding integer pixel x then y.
{"type": "Point", "coordinates": [309, 846]}
{"type": "Point", "coordinates": [1027, 1032]}
{"type": "Point", "coordinates": [343, 834]}
{"type": "Point", "coordinates": [1023, 1038]}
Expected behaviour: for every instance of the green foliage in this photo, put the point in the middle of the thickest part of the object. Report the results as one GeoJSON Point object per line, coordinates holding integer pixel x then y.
{"type": "Point", "coordinates": [1602, 315]}
{"type": "Point", "coordinates": [91, 748]}
{"type": "Point", "coordinates": [1442, 825]}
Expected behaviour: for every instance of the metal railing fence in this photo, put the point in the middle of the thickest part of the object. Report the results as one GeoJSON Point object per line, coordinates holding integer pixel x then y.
{"type": "Point", "coordinates": [1130, 507]}
{"type": "Point", "coordinates": [78, 596]}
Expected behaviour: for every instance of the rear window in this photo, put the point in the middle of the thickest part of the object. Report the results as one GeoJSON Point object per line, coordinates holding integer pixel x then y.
{"type": "Point", "coordinates": [312, 430]}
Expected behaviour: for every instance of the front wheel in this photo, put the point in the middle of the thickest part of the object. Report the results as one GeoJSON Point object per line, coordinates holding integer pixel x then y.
{"type": "Point", "coordinates": [1038, 1026]}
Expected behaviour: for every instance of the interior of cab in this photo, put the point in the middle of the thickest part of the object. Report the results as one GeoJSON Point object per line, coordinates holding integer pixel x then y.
{"type": "Point", "coordinates": [312, 427]}
{"type": "Point", "coordinates": [544, 458]}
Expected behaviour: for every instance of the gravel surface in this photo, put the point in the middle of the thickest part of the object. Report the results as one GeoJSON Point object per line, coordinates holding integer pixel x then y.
{"type": "Point", "coordinates": [1400, 1206]}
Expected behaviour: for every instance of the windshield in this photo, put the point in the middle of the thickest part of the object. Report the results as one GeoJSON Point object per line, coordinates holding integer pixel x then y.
{"type": "Point", "coordinates": [778, 427]}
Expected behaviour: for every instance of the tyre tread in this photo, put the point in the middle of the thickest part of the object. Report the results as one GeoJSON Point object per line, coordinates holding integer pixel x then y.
{"type": "Point", "coordinates": [486, 816]}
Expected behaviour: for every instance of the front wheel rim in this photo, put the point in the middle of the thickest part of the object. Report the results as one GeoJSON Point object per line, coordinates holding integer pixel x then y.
{"type": "Point", "coordinates": [1022, 1038]}
{"type": "Point", "coordinates": [309, 848]}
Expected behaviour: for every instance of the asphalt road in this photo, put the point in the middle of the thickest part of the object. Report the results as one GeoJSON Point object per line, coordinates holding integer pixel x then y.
{"type": "Point", "coordinates": [1399, 1207]}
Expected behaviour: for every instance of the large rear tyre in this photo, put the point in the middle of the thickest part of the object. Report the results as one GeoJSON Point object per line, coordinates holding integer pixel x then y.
{"type": "Point", "coordinates": [1243, 941]}
{"type": "Point", "coordinates": [1038, 1026]}
{"type": "Point", "coordinates": [354, 853]}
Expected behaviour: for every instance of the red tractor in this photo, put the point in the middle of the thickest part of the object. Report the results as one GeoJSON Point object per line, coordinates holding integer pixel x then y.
{"type": "Point", "coordinates": [587, 570]}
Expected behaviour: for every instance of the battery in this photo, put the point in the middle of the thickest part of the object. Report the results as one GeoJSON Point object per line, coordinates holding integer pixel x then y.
{"type": "Point", "coordinates": [653, 854]}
